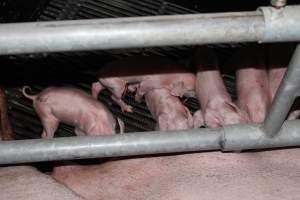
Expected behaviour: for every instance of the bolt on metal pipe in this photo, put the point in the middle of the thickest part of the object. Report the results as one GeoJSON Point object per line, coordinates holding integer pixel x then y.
{"type": "Point", "coordinates": [229, 138]}
{"type": "Point", "coordinates": [278, 3]}
{"type": "Point", "coordinates": [264, 25]}
{"type": "Point", "coordinates": [285, 96]}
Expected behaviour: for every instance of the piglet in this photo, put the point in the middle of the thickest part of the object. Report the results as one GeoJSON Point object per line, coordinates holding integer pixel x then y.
{"type": "Point", "coordinates": [144, 74]}
{"type": "Point", "coordinates": [216, 103]}
{"type": "Point", "coordinates": [75, 107]}
{"type": "Point", "coordinates": [168, 110]}
{"type": "Point", "coordinates": [252, 82]}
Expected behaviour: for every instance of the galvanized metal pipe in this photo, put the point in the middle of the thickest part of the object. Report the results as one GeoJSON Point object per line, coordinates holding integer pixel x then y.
{"type": "Point", "coordinates": [284, 97]}
{"type": "Point", "coordinates": [230, 138]}
{"type": "Point", "coordinates": [266, 24]}
{"type": "Point", "coordinates": [132, 32]}
{"type": "Point", "coordinates": [108, 146]}
{"type": "Point", "coordinates": [244, 137]}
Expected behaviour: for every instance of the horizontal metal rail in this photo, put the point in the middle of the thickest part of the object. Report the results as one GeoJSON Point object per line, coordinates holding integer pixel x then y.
{"type": "Point", "coordinates": [267, 24]}
{"type": "Point", "coordinates": [229, 138]}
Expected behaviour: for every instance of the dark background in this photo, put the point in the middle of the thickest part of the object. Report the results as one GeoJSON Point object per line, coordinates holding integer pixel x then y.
{"type": "Point", "coordinates": [27, 10]}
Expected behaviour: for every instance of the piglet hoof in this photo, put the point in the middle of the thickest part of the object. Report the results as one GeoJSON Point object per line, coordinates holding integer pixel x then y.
{"type": "Point", "coordinates": [127, 108]}
{"type": "Point", "coordinates": [132, 88]}
{"type": "Point", "coordinates": [45, 136]}
{"type": "Point", "coordinates": [198, 120]}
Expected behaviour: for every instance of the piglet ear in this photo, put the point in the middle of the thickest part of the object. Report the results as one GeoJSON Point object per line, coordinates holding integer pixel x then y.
{"type": "Point", "coordinates": [178, 89]}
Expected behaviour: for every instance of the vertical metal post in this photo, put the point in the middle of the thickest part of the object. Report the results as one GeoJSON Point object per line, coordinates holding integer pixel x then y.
{"type": "Point", "coordinates": [284, 97]}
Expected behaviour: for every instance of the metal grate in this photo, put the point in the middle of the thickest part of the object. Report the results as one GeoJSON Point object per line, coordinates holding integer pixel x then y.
{"type": "Point", "coordinates": [79, 69]}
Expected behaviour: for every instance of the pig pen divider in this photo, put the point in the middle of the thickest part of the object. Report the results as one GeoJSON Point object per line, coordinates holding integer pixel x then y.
{"type": "Point", "coordinates": [267, 24]}
{"type": "Point", "coordinates": [228, 138]}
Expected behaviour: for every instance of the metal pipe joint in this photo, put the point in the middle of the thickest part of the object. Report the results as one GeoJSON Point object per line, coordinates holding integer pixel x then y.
{"type": "Point", "coordinates": [285, 96]}
{"type": "Point", "coordinates": [278, 3]}
{"type": "Point", "coordinates": [281, 25]}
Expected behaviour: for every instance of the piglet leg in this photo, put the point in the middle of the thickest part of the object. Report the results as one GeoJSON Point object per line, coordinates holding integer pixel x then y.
{"type": "Point", "coordinates": [124, 107]}
{"type": "Point", "coordinates": [216, 103]}
{"type": "Point", "coordinates": [117, 87]}
{"type": "Point", "coordinates": [50, 125]}
{"type": "Point", "coordinates": [79, 132]}
{"type": "Point", "coordinates": [97, 87]}
{"type": "Point", "coordinates": [144, 87]}
{"type": "Point", "coordinates": [198, 119]}
{"type": "Point", "coordinates": [252, 82]}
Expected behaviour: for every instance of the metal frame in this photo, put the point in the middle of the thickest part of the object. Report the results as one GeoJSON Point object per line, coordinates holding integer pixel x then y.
{"type": "Point", "coordinates": [267, 24]}
{"type": "Point", "coordinates": [229, 138]}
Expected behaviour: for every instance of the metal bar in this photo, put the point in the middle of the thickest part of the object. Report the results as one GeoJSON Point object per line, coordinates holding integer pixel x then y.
{"type": "Point", "coordinates": [230, 138]}
{"type": "Point", "coordinates": [268, 24]}
{"type": "Point", "coordinates": [265, 25]}
{"type": "Point", "coordinates": [132, 32]}
{"type": "Point", "coordinates": [284, 97]}
{"type": "Point", "coordinates": [108, 146]}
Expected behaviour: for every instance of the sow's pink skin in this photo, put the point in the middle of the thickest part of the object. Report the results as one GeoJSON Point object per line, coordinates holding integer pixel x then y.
{"type": "Point", "coordinates": [144, 74]}
{"type": "Point", "coordinates": [168, 110]}
{"type": "Point", "coordinates": [279, 56]}
{"type": "Point", "coordinates": [75, 107]}
{"type": "Point", "coordinates": [252, 82]}
{"type": "Point", "coordinates": [216, 103]}
{"type": "Point", "coordinates": [270, 175]}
